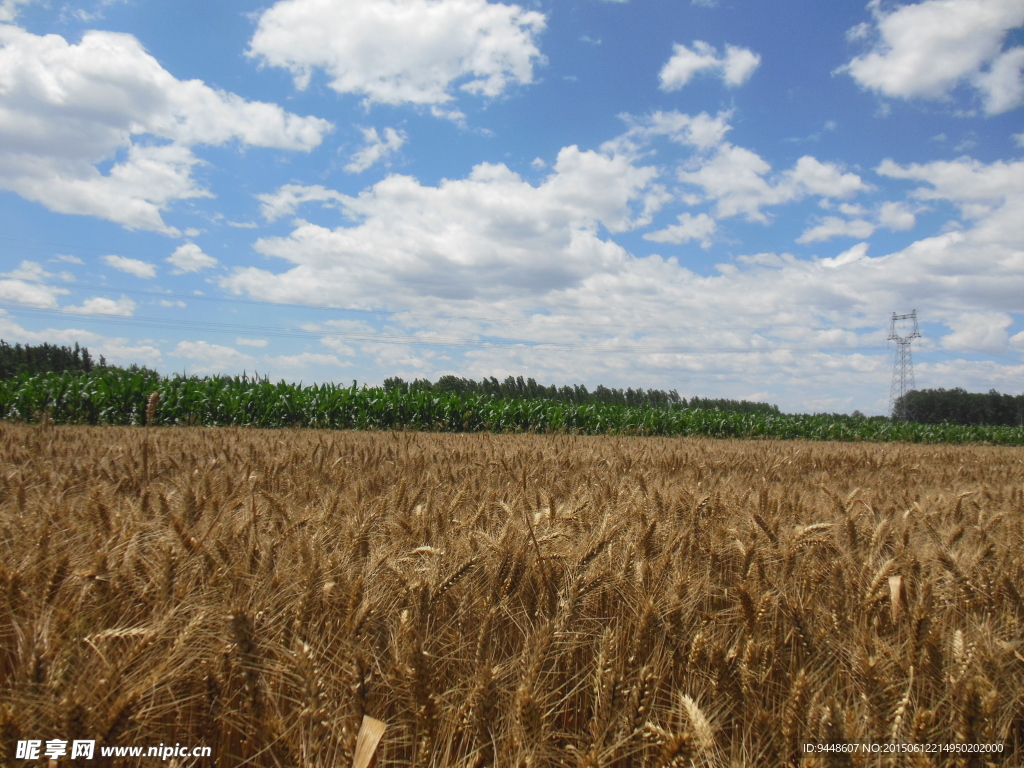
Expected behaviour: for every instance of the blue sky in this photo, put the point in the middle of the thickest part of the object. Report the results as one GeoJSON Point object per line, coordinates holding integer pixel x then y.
{"type": "Point", "coordinates": [724, 198]}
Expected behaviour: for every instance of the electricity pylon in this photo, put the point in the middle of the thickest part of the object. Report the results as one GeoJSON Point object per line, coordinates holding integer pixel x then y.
{"type": "Point", "coordinates": [903, 330]}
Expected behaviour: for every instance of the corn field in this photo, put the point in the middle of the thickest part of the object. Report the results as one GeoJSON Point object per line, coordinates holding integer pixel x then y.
{"type": "Point", "coordinates": [118, 397]}
{"type": "Point", "coordinates": [509, 600]}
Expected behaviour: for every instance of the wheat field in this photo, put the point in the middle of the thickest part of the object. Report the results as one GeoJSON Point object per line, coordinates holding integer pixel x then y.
{"type": "Point", "coordinates": [509, 600]}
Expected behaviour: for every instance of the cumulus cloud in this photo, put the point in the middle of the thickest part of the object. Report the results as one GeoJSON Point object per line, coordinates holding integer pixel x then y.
{"type": "Point", "coordinates": [99, 305]}
{"type": "Point", "coordinates": [26, 295]}
{"type": "Point", "coordinates": [135, 267]}
{"type": "Point", "coordinates": [737, 180]}
{"type": "Point", "coordinates": [897, 217]}
{"type": "Point", "coordinates": [1002, 86]}
{"type": "Point", "coordinates": [376, 148]}
{"type": "Point", "coordinates": [699, 227]}
{"type": "Point", "coordinates": [19, 286]}
{"type": "Point", "coordinates": [824, 179]}
{"type": "Point", "coordinates": [924, 50]}
{"type": "Point", "coordinates": [66, 109]}
{"type": "Point", "coordinates": [492, 229]}
{"type": "Point", "coordinates": [735, 66]}
{"type": "Point", "coordinates": [205, 357]}
{"type": "Point", "coordinates": [1017, 341]}
{"type": "Point", "coordinates": [260, 343]}
{"type": "Point", "coordinates": [190, 258]}
{"type": "Point", "coordinates": [402, 51]}
{"type": "Point", "coordinates": [894, 216]}
{"type": "Point", "coordinates": [833, 226]}
{"type": "Point", "coordinates": [849, 209]}
{"type": "Point", "coordinates": [9, 9]}
{"type": "Point", "coordinates": [978, 332]}
{"type": "Point", "coordinates": [699, 131]}
{"type": "Point", "coordinates": [286, 200]}
{"type": "Point", "coordinates": [978, 189]}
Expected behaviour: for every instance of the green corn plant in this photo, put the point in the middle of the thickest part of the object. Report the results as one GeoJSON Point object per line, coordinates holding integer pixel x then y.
{"type": "Point", "coordinates": [119, 397]}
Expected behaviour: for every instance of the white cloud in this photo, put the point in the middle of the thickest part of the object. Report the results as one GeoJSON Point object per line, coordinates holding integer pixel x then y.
{"type": "Point", "coordinates": [736, 179]}
{"type": "Point", "coordinates": [27, 270]}
{"type": "Point", "coordinates": [89, 16]}
{"type": "Point", "coordinates": [456, 116]}
{"type": "Point", "coordinates": [896, 216]}
{"type": "Point", "coordinates": [1019, 139]}
{"type": "Point", "coordinates": [303, 360]}
{"type": "Point", "coordinates": [735, 67]}
{"type": "Point", "coordinates": [26, 295]}
{"type": "Point", "coordinates": [1002, 85]}
{"type": "Point", "coordinates": [398, 51]}
{"type": "Point", "coordinates": [978, 332]}
{"type": "Point", "coordinates": [9, 9]}
{"type": "Point", "coordinates": [20, 287]}
{"type": "Point", "coordinates": [926, 49]}
{"type": "Point", "coordinates": [189, 257]}
{"type": "Point", "coordinates": [135, 267]}
{"type": "Point", "coordinates": [65, 109]}
{"type": "Point", "coordinates": [832, 226]}
{"type": "Point", "coordinates": [979, 190]}
{"type": "Point", "coordinates": [739, 65]}
{"type": "Point", "coordinates": [847, 209]}
{"type": "Point", "coordinates": [68, 259]}
{"type": "Point", "coordinates": [177, 304]}
{"type": "Point", "coordinates": [288, 198]}
{"type": "Point", "coordinates": [376, 148]}
{"type": "Point", "coordinates": [859, 252]}
{"type": "Point", "coordinates": [99, 305]}
{"type": "Point", "coordinates": [699, 131]}
{"type": "Point", "coordinates": [699, 227]}
{"type": "Point", "coordinates": [1017, 341]}
{"type": "Point", "coordinates": [817, 178]}
{"type": "Point", "coordinates": [212, 358]}
{"type": "Point", "coordinates": [858, 32]}
{"type": "Point", "coordinates": [492, 228]}
{"type": "Point", "coordinates": [260, 343]}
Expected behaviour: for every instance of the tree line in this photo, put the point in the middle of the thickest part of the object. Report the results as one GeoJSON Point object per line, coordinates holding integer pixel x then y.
{"type": "Point", "coordinates": [958, 406]}
{"type": "Point", "coordinates": [518, 388]}
{"type": "Point", "coordinates": [43, 358]}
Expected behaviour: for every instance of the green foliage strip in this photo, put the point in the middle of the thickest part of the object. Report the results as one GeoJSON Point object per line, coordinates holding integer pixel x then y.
{"type": "Point", "coordinates": [934, 406]}
{"type": "Point", "coordinates": [41, 358]}
{"type": "Point", "coordinates": [119, 397]}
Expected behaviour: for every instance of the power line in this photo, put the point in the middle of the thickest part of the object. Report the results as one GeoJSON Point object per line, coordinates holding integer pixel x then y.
{"type": "Point", "coordinates": [379, 312]}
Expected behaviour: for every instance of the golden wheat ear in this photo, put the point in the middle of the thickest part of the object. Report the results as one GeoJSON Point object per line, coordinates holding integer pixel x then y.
{"type": "Point", "coordinates": [370, 734]}
{"type": "Point", "coordinates": [897, 597]}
